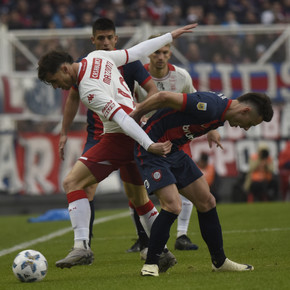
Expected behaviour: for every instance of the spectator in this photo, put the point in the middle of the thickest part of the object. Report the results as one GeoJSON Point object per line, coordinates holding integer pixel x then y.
{"type": "Point", "coordinates": [284, 170]}
{"type": "Point", "coordinates": [260, 182]}
{"type": "Point", "coordinates": [63, 17]}
{"type": "Point", "coordinates": [209, 173]}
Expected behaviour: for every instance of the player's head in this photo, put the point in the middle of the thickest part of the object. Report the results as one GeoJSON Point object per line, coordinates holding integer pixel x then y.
{"type": "Point", "coordinates": [104, 34]}
{"type": "Point", "coordinates": [54, 69]}
{"type": "Point", "coordinates": [255, 108]}
{"type": "Point", "coordinates": [159, 59]}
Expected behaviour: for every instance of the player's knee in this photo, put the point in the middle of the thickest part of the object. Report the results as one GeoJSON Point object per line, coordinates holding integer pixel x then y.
{"type": "Point", "coordinates": [206, 204]}
{"type": "Point", "coordinates": [173, 207]}
{"type": "Point", "coordinates": [68, 184]}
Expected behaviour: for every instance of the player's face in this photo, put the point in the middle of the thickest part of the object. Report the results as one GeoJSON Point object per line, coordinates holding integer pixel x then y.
{"type": "Point", "coordinates": [160, 57]}
{"type": "Point", "coordinates": [104, 39]}
{"type": "Point", "coordinates": [61, 79]}
{"type": "Point", "coordinates": [246, 119]}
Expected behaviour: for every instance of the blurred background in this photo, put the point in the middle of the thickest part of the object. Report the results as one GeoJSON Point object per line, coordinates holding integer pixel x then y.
{"type": "Point", "coordinates": [239, 46]}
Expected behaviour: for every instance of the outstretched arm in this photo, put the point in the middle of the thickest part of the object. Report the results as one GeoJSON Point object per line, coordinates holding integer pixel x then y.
{"type": "Point", "coordinates": [147, 47]}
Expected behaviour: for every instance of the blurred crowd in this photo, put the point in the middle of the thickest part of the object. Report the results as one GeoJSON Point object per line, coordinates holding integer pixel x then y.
{"type": "Point", "coordinates": [28, 14]}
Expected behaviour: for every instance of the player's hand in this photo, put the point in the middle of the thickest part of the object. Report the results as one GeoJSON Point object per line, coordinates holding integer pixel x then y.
{"type": "Point", "coordinates": [61, 144]}
{"type": "Point", "coordinates": [213, 136]}
{"type": "Point", "coordinates": [185, 29]}
{"type": "Point", "coordinates": [160, 148]}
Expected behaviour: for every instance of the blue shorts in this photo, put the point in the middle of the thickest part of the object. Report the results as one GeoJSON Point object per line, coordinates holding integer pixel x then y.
{"type": "Point", "coordinates": [157, 171]}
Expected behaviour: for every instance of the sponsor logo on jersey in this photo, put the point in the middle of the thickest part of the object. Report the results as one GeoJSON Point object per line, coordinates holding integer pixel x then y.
{"type": "Point", "coordinates": [96, 68]}
{"type": "Point", "coordinates": [108, 73]}
{"type": "Point", "coordinates": [187, 132]}
{"type": "Point", "coordinates": [201, 106]}
{"type": "Point", "coordinates": [108, 108]}
{"type": "Point", "coordinates": [90, 97]}
{"type": "Point", "coordinates": [157, 175]}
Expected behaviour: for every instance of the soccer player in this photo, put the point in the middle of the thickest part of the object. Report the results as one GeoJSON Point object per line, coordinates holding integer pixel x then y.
{"type": "Point", "coordinates": [180, 118]}
{"type": "Point", "coordinates": [103, 90]}
{"type": "Point", "coordinates": [169, 77]}
{"type": "Point", "coordinates": [104, 38]}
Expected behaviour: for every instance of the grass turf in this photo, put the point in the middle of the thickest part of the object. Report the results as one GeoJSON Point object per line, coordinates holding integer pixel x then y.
{"type": "Point", "coordinates": [257, 234]}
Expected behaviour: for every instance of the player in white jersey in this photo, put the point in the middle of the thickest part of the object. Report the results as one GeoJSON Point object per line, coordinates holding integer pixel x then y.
{"type": "Point", "coordinates": [169, 77]}
{"type": "Point", "coordinates": [103, 90]}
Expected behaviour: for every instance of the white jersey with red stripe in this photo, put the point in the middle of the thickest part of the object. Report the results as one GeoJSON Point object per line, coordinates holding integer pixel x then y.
{"type": "Point", "coordinates": [102, 88]}
{"type": "Point", "coordinates": [177, 80]}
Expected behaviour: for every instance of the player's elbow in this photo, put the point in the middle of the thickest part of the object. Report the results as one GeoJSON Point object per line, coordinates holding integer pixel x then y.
{"type": "Point", "coordinates": [163, 97]}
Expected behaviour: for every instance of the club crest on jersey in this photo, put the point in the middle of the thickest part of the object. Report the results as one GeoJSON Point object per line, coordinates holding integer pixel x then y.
{"type": "Point", "coordinates": [90, 97]}
{"type": "Point", "coordinates": [201, 106]}
{"type": "Point", "coordinates": [156, 175]}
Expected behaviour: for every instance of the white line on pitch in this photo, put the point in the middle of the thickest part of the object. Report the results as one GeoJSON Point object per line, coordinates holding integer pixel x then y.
{"type": "Point", "coordinates": [58, 233]}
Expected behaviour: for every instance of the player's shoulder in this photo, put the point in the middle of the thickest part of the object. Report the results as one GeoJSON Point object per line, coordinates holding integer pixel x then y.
{"type": "Point", "coordinates": [179, 70]}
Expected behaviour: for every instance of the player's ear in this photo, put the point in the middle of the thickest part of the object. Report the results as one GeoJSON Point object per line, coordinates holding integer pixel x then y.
{"type": "Point", "coordinates": [245, 110]}
{"type": "Point", "coordinates": [116, 38]}
{"type": "Point", "coordinates": [93, 39]}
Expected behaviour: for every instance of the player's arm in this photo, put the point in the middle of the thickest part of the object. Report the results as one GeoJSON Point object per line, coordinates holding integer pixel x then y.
{"type": "Point", "coordinates": [163, 99]}
{"type": "Point", "coordinates": [132, 129]}
{"type": "Point", "coordinates": [70, 111]}
{"type": "Point", "coordinates": [150, 88]}
{"type": "Point", "coordinates": [147, 47]}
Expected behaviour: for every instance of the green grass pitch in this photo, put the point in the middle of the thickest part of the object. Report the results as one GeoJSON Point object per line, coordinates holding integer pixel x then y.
{"type": "Point", "coordinates": [257, 234]}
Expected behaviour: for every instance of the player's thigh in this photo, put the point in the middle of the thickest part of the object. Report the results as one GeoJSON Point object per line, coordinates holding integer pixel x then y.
{"type": "Point", "coordinates": [137, 194]}
{"type": "Point", "coordinates": [199, 194]}
{"type": "Point", "coordinates": [169, 198]}
{"type": "Point", "coordinates": [79, 177]}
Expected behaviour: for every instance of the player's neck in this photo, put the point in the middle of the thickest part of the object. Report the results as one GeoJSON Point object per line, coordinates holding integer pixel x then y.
{"type": "Point", "coordinates": [158, 73]}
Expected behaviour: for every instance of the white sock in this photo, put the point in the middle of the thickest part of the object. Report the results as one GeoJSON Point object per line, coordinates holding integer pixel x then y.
{"type": "Point", "coordinates": [184, 217]}
{"type": "Point", "coordinates": [79, 211]}
{"type": "Point", "coordinates": [147, 214]}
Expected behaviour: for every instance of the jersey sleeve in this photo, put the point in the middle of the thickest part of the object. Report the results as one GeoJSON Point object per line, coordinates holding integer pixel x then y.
{"type": "Point", "coordinates": [205, 106]}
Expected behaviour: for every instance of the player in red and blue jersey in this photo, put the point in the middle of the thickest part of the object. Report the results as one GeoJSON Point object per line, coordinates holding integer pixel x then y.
{"type": "Point", "coordinates": [179, 119]}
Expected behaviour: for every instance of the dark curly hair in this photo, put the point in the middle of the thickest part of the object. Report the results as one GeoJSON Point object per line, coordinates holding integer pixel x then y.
{"type": "Point", "coordinates": [261, 102]}
{"type": "Point", "coordinates": [51, 62]}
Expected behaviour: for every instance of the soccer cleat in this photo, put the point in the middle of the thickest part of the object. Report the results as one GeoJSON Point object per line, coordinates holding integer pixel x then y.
{"type": "Point", "coordinates": [143, 254]}
{"type": "Point", "coordinates": [184, 243]}
{"type": "Point", "coordinates": [166, 261]}
{"type": "Point", "coordinates": [229, 265]}
{"type": "Point", "coordinates": [77, 256]}
{"type": "Point", "coordinates": [135, 248]}
{"type": "Point", "coordinates": [149, 270]}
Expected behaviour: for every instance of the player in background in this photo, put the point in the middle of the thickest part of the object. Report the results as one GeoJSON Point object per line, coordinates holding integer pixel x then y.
{"type": "Point", "coordinates": [169, 77]}
{"type": "Point", "coordinates": [104, 38]}
{"type": "Point", "coordinates": [103, 90]}
{"type": "Point", "coordinates": [179, 118]}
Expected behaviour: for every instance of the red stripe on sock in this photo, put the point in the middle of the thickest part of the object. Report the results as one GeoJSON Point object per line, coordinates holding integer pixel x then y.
{"type": "Point", "coordinates": [141, 210]}
{"type": "Point", "coordinates": [76, 195]}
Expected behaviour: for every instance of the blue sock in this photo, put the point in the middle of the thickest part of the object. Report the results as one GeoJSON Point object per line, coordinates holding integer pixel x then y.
{"type": "Point", "coordinates": [159, 235]}
{"type": "Point", "coordinates": [92, 206]}
{"type": "Point", "coordinates": [211, 232]}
